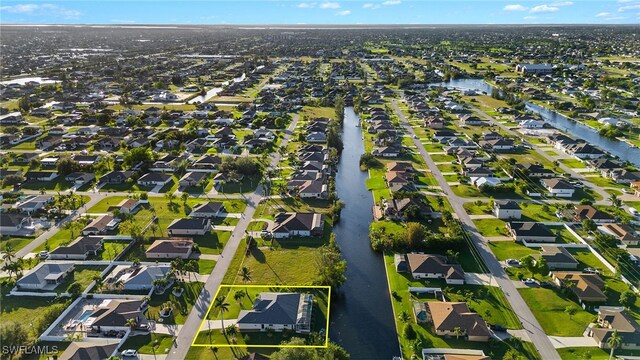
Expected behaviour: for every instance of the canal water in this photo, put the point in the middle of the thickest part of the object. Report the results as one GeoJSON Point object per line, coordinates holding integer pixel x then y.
{"type": "Point", "coordinates": [362, 318]}
{"type": "Point", "coordinates": [617, 148]}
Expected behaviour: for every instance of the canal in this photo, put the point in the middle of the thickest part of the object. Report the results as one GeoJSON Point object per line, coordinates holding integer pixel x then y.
{"type": "Point", "coordinates": [362, 319]}
{"type": "Point", "coordinates": [617, 148]}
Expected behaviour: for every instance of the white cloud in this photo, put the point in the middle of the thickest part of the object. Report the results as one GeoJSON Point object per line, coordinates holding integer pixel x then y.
{"type": "Point", "coordinates": [603, 14]}
{"type": "Point", "coordinates": [629, 7]}
{"type": "Point", "coordinates": [562, 3]}
{"type": "Point", "coordinates": [530, 17]}
{"type": "Point", "coordinates": [625, 1]}
{"type": "Point", "coordinates": [41, 9]}
{"type": "Point", "coordinates": [306, 5]}
{"type": "Point", "coordinates": [543, 9]}
{"type": "Point", "coordinates": [344, 13]}
{"type": "Point", "coordinates": [392, 2]}
{"type": "Point", "coordinates": [329, 5]}
{"type": "Point", "coordinates": [515, 7]}
{"type": "Point", "coordinates": [371, 6]}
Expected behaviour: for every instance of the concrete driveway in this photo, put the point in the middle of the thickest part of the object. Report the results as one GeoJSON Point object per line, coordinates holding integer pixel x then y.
{"type": "Point", "coordinates": [572, 341]}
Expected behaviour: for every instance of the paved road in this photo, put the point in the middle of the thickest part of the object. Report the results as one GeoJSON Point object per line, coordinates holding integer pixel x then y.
{"type": "Point", "coordinates": [192, 324]}
{"type": "Point", "coordinates": [519, 306]}
{"type": "Point", "coordinates": [54, 229]}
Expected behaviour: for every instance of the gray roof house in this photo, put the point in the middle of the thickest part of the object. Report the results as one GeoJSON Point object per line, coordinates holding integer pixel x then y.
{"type": "Point", "coordinates": [11, 224]}
{"type": "Point", "coordinates": [45, 276]}
{"type": "Point", "coordinates": [298, 224]}
{"type": "Point", "coordinates": [207, 209]}
{"type": "Point", "coordinates": [79, 350]}
{"type": "Point", "coordinates": [557, 257]}
{"type": "Point", "coordinates": [195, 226]}
{"type": "Point", "coordinates": [112, 314]}
{"type": "Point", "coordinates": [278, 311]}
{"type": "Point", "coordinates": [531, 231]}
{"type": "Point", "coordinates": [80, 249]}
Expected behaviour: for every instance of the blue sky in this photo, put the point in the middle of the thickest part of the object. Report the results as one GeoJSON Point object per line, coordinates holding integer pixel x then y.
{"type": "Point", "coordinates": [320, 12]}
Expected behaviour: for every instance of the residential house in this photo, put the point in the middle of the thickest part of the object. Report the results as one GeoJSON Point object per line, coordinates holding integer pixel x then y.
{"type": "Point", "coordinates": [79, 178]}
{"type": "Point", "coordinates": [297, 224]}
{"type": "Point", "coordinates": [81, 249]}
{"type": "Point", "coordinates": [557, 257]}
{"type": "Point", "coordinates": [187, 226]}
{"type": "Point", "coordinates": [174, 248]}
{"type": "Point", "coordinates": [208, 209]}
{"type": "Point", "coordinates": [507, 209]}
{"type": "Point", "coordinates": [589, 288]}
{"type": "Point", "coordinates": [386, 151]}
{"type": "Point", "coordinates": [127, 206]}
{"type": "Point", "coordinates": [397, 209]}
{"type": "Point", "coordinates": [101, 225]}
{"type": "Point", "coordinates": [537, 171]}
{"type": "Point", "coordinates": [558, 187]}
{"type": "Point", "coordinates": [450, 317]}
{"type": "Point", "coordinates": [531, 232]}
{"type": "Point", "coordinates": [624, 233]}
{"type": "Point", "coordinates": [113, 314]}
{"type": "Point", "coordinates": [583, 212]}
{"type": "Point", "coordinates": [81, 350]}
{"type": "Point", "coordinates": [277, 312]}
{"type": "Point", "coordinates": [13, 224]}
{"type": "Point", "coordinates": [428, 266]}
{"type": "Point", "coordinates": [192, 178]}
{"type": "Point", "coordinates": [116, 177]}
{"type": "Point", "coordinates": [154, 179]}
{"type": "Point", "coordinates": [620, 321]}
{"type": "Point", "coordinates": [33, 203]}
{"type": "Point", "coordinates": [45, 276]}
{"type": "Point", "coordinates": [41, 175]}
{"type": "Point", "coordinates": [139, 278]}
{"type": "Point", "coordinates": [534, 69]}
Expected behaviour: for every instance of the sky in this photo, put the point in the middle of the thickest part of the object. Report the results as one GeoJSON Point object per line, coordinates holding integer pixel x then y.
{"type": "Point", "coordinates": [319, 12]}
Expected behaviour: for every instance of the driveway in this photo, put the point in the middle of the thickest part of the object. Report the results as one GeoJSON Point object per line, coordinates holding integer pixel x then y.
{"type": "Point", "coordinates": [572, 341]}
{"type": "Point", "coordinates": [480, 279]}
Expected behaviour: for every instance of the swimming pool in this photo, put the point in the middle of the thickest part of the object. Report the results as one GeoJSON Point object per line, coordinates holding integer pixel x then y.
{"type": "Point", "coordinates": [85, 315]}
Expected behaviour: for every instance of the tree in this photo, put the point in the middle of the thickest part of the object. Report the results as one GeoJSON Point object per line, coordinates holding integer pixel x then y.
{"type": "Point", "coordinates": [239, 296]}
{"type": "Point", "coordinates": [99, 283]}
{"type": "Point", "coordinates": [12, 180]}
{"type": "Point", "coordinates": [184, 197]}
{"type": "Point", "coordinates": [404, 316]}
{"type": "Point", "coordinates": [75, 289]}
{"type": "Point", "coordinates": [542, 267]}
{"type": "Point", "coordinates": [614, 341]}
{"type": "Point", "coordinates": [13, 334]}
{"type": "Point", "coordinates": [414, 235]}
{"type": "Point", "coordinates": [409, 332]}
{"type": "Point", "coordinates": [589, 225]}
{"type": "Point", "coordinates": [528, 262]}
{"type": "Point", "coordinates": [67, 165]}
{"type": "Point", "coordinates": [131, 323]}
{"type": "Point", "coordinates": [222, 306]}
{"type": "Point", "coordinates": [170, 197]}
{"type": "Point", "coordinates": [458, 331]}
{"type": "Point", "coordinates": [627, 299]}
{"type": "Point", "coordinates": [570, 310]}
{"type": "Point", "coordinates": [137, 155]}
{"type": "Point", "coordinates": [615, 202]}
{"type": "Point", "coordinates": [245, 275]}
{"type": "Point", "coordinates": [332, 267]}
{"type": "Point", "coordinates": [453, 255]}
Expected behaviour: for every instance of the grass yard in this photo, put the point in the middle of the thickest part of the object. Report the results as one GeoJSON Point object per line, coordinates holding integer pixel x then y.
{"type": "Point", "coordinates": [16, 243]}
{"type": "Point", "coordinates": [160, 344]}
{"type": "Point", "coordinates": [83, 274]}
{"type": "Point", "coordinates": [538, 212]}
{"type": "Point", "coordinates": [205, 267]}
{"type": "Point", "coordinates": [111, 249]}
{"type": "Point", "coordinates": [181, 305]}
{"type": "Point", "coordinates": [573, 163]}
{"type": "Point", "coordinates": [548, 306]}
{"type": "Point", "coordinates": [402, 301]}
{"type": "Point", "coordinates": [477, 208]}
{"type": "Point", "coordinates": [504, 250]}
{"type": "Point", "coordinates": [491, 227]}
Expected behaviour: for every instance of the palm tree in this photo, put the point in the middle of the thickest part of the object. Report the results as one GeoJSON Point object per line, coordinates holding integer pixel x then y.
{"type": "Point", "coordinates": [245, 275]}
{"type": "Point", "coordinates": [98, 279]}
{"type": "Point", "coordinates": [614, 342]}
{"type": "Point", "coordinates": [222, 306]}
{"type": "Point", "coordinates": [615, 202]}
{"type": "Point", "coordinates": [457, 331]}
{"type": "Point", "coordinates": [9, 253]}
{"type": "Point", "coordinates": [404, 316]}
{"type": "Point", "coordinates": [184, 197]}
{"type": "Point", "coordinates": [239, 296]}
{"type": "Point", "coordinates": [131, 323]}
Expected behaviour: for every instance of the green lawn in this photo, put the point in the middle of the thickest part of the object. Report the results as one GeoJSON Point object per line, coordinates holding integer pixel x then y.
{"type": "Point", "coordinates": [205, 266]}
{"type": "Point", "coordinates": [16, 243]}
{"type": "Point", "coordinates": [82, 274]}
{"type": "Point", "coordinates": [548, 306]}
{"type": "Point", "coordinates": [181, 305]}
{"type": "Point", "coordinates": [477, 208]}
{"type": "Point", "coordinates": [112, 249]}
{"type": "Point", "coordinates": [538, 212]}
{"type": "Point", "coordinates": [491, 300]}
{"type": "Point", "coordinates": [160, 343]}
{"type": "Point", "coordinates": [573, 163]}
{"type": "Point", "coordinates": [504, 250]}
{"type": "Point", "coordinates": [58, 183]}
{"type": "Point", "coordinates": [491, 227]}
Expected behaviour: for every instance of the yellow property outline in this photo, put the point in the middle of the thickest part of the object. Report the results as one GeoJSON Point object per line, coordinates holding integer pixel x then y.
{"type": "Point", "coordinates": [326, 339]}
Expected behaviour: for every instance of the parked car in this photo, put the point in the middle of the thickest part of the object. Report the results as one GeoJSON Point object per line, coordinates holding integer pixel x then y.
{"type": "Point", "coordinates": [513, 262]}
{"type": "Point", "coordinates": [497, 327]}
{"type": "Point", "coordinates": [546, 284]}
{"type": "Point", "coordinates": [591, 271]}
{"type": "Point", "coordinates": [43, 254]}
{"type": "Point", "coordinates": [130, 353]}
{"type": "Point", "coordinates": [633, 211]}
{"type": "Point", "coordinates": [529, 281]}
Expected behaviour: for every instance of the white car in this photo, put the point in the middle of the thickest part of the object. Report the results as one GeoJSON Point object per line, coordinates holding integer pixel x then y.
{"type": "Point", "coordinates": [130, 353]}
{"type": "Point", "coordinates": [43, 254]}
{"type": "Point", "coordinates": [591, 271]}
{"type": "Point", "coordinates": [529, 281]}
